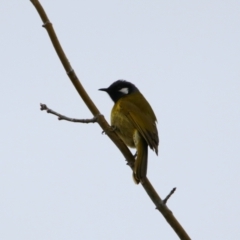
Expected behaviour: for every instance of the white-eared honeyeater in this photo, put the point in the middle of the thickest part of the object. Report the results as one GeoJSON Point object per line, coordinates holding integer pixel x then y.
{"type": "Point", "coordinates": [135, 123]}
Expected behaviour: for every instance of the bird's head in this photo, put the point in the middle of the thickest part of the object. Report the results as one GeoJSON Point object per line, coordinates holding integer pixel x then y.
{"type": "Point", "coordinates": [119, 89]}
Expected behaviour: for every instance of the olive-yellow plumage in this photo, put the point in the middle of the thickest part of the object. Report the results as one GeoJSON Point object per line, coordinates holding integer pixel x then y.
{"type": "Point", "coordinates": [135, 123]}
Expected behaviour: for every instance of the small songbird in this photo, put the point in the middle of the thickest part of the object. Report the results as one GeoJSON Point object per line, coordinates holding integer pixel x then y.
{"type": "Point", "coordinates": [135, 123]}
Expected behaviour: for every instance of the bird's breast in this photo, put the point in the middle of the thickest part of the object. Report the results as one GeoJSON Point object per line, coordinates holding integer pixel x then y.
{"type": "Point", "coordinates": [124, 128]}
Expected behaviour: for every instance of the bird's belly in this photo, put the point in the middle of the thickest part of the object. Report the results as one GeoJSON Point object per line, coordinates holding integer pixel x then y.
{"type": "Point", "coordinates": [124, 129]}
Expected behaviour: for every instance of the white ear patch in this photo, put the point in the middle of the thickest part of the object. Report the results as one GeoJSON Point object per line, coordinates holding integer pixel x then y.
{"type": "Point", "coordinates": [124, 90]}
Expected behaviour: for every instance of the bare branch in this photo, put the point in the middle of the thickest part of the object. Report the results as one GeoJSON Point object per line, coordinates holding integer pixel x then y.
{"type": "Point", "coordinates": [62, 117]}
{"type": "Point", "coordinates": [168, 215]}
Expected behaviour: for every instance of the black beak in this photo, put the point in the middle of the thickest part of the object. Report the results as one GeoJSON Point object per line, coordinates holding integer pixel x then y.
{"type": "Point", "coordinates": [103, 89]}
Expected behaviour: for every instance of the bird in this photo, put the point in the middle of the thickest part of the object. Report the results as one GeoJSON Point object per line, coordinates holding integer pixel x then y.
{"type": "Point", "coordinates": [134, 121]}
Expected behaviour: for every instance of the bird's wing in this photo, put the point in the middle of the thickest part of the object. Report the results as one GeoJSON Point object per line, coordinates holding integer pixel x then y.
{"type": "Point", "coordinates": [143, 122]}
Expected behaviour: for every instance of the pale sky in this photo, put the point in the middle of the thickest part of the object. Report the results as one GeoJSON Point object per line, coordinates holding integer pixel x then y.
{"type": "Point", "coordinates": [61, 180]}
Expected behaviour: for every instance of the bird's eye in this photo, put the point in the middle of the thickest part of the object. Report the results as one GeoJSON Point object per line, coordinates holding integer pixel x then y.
{"type": "Point", "coordinates": [124, 90]}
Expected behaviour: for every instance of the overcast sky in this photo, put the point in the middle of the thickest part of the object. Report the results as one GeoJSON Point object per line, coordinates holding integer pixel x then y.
{"type": "Point", "coordinates": [61, 180]}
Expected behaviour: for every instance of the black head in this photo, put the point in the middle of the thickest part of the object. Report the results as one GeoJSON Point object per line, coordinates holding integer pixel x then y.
{"type": "Point", "coordinates": [119, 89]}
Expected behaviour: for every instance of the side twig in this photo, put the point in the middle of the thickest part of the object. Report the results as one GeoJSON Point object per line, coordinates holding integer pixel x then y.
{"type": "Point", "coordinates": [43, 107]}
{"type": "Point", "coordinates": [169, 195]}
{"type": "Point", "coordinates": [168, 215]}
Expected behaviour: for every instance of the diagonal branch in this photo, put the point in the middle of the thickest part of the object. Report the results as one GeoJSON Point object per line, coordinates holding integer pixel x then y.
{"type": "Point", "coordinates": [160, 205]}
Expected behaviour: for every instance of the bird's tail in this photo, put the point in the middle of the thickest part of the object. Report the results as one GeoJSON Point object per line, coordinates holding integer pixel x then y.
{"type": "Point", "coordinates": [140, 165]}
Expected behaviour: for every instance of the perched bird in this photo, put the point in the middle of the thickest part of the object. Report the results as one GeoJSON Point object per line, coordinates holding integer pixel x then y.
{"type": "Point", "coordinates": [135, 123]}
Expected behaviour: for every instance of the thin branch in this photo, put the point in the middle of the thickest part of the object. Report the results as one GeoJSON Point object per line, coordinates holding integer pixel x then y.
{"type": "Point", "coordinates": [43, 107]}
{"type": "Point", "coordinates": [105, 126]}
{"type": "Point", "coordinates": [169, 195]}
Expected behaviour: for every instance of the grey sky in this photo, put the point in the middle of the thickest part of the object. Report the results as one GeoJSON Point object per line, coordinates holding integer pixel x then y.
{"type": "Point", "coordinates": [61, 180]}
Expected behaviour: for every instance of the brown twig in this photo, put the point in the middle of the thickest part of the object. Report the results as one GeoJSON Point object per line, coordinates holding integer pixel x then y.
{"type": "Point", "coordinates": [105, 126]}
{"type": "Point", "coordinates": [169, 195]}
{"type": "Point", "coordinates": [43, 107]}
